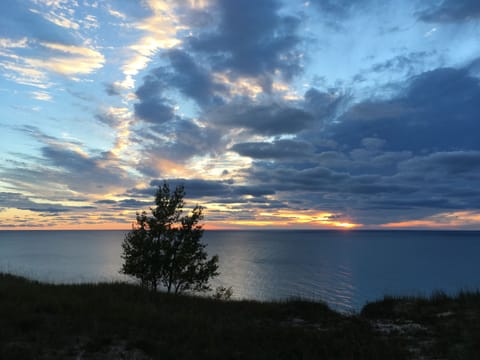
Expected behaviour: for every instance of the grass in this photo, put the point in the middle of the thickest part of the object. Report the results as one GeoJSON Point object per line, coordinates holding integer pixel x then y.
{"type": "Point", "coordinates": [123, 321]}
{"type": "Point", "coordinates": [450, 326]}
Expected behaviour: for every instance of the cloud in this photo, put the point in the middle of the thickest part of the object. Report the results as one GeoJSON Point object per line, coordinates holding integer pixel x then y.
{"type": "Point", "coordinates": [125, 203]}
{"type": "Point", "coordinates": [386, 155]}
{"type": "Point", "coordinates": [437, 111]}
{"type": "Point", "coordinates": [106, 201]}
{"type": "Point", "coordinates": [68, 60]}
{"type": "Point", "coordinates": [160, 27]}
{"type": "Point", "coordinates": [265, 119]}
{"type": "Point", "coordinates": [408, 63]}
{"type": "Point", "coordinates": [280, 149]}
{"type": "Point", "coordinates": [25, 74]}
{"type": "Point", "coordinates": [281, 177]}
{"type": "Point", "coordinates": [65, 169]}
{"type": "Point", "coordinates": [166, 146]}
{"type": "Point", "coordinates": [200, 188]}
{"type": "Point", "coordinates": [113, 116]}
{"type": "Point", "coordinates": [191, 79]}
{"type": "Point", "coordinates": [446, 220]}
{"type": "Point", "coordinates": [58, 17]}
{"type": "Point", "coordinates": [57, 58]}
{"type": "Point", "coordinates": [84, 173]}
{"type": "Point", "coordinates": [22, 202]}
{"type": "Point", "coordinates": [112, 89]}
{"type": "Point", "coordinates": [123, 9]}
{"type": "Point", "coordinates": [13, 44]}
{"type": "Point", "coordinates": [214, 94]}
{"type": "Point", "coordinates": [324, 105]}
{"type": "Point", "coordinates": [184, 75]}
{"type": "Point", "coordinates": [252, 39]}
{"type": "Point", "coordinates": [438, 164]}
{"type": "Point", "coordinates": [18, 20]}
{"type": "Point", "coordinates": [409, 187]}
{"type": "Point", "coordinates": [154, 109]}
{"type": "Point", "coordinates": [337, 8]}
{"type": "Point", "coordinates": [214, 192]}
{"type": "Point", "coordinates": [450, 11]}
{"type": "Point", "coordinates": [41, 95]}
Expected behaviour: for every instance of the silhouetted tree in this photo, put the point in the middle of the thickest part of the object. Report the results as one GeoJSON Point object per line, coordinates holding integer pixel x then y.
{"type": "Point", "coordinates": [165, 247]}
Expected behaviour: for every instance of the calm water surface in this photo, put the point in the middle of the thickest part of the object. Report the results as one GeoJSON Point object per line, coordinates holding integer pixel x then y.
{"type": "Point", "coordinates": [345, 269]}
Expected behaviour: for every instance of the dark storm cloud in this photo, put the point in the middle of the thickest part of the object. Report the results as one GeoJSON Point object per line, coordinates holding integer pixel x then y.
{"type": "Point", "coordinates": [452, 11]}
{"type": "Point", "coordinates": [274, 150]}
{"type": "Point", "coordinates": [252, 39]}
{"type": "Point", "coordinates": [18, 20]}
{"type": "Point", "coordinates": [439, 111]}
{"type": "Point", "coordinates": [267, 119]}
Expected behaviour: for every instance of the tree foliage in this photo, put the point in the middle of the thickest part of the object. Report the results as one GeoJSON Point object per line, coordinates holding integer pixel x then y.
{"type": "Point", "coordinates": [165, 248]}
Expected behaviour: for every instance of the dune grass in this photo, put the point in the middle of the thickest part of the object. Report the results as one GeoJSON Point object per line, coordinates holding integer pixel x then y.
{"type": "Point", "coordinates": [449, 325]}
{"type": "Point", "coordinates": [123, 321]}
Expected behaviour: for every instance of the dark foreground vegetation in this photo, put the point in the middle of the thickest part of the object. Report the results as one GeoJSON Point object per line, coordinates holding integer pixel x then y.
{"type": "Point", "coordinates": [122, 321]}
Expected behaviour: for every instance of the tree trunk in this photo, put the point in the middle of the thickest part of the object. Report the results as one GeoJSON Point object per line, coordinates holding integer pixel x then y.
{"type": "Point", "coordinates": [176, 288]}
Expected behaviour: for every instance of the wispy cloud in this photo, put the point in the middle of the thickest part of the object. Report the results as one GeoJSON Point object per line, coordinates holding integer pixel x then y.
{"type": "Point", "coordinates": [57, 19]}
{"type": "Point", "coordinates": [69, 60]}
{"type": "Point", "coordinates": [26, 75]}
{"type": "Point", "coordinates": [159, 32]}
{"type": "Point", "coordinates": [41, 95]}
{"type": "Point", "coordinates": [11, 43]}
{"type": "Point", "coordinates": [60, 59]}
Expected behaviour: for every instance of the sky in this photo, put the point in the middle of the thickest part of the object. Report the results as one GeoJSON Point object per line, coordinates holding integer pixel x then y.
{"type": "Point", "coordinates": [332, 114]}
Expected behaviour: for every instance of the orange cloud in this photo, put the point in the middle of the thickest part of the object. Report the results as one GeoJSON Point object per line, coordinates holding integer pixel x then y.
{"type": "Point", "coordinates": [447, 220]}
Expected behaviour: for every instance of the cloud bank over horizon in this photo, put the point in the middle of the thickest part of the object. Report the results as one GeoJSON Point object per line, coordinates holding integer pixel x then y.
{"type": "Point", "coordinates": [282, 114]}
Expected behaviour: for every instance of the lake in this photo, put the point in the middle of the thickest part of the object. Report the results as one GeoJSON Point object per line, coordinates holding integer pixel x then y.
{"type": "Point", "coordinates": [343, 268]}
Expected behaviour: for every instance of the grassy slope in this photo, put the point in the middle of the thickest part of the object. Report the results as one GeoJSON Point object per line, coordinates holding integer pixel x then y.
{"type": "Point", "coordinates": [445, 327]}
{"type": "Point", "coordinates": [106, 321]}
